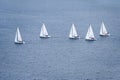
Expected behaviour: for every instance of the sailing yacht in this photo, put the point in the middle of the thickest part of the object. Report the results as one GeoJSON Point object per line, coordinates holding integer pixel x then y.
{"type": "Point", "coordinates": [90, 35]}
{"type": "Point", "coordinates": [18, 37]}
{"type": "Point", "coordinates": [44, 33]}
{"type": "Point", "coordinates": [73, 33]}
{"type": "Point", "coordinates": [103, 30]}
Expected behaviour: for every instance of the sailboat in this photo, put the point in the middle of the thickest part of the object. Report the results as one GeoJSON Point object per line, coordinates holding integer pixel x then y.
{"type": "Point", "coordinates": [103, 30]}
{"type": "Point", "coordinates": [73, 33]}
{"type": "Point", "coordinates": [90, 35]}
{"type": "Point", "coordinates": [18, 37]}
{"type": "Point", "coordinates": [44, 33]}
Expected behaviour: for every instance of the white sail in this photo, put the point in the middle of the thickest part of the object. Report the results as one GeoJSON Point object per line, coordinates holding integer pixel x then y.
{"type": "Point", "coordinates": [103, 30]}
{"type": "Point", "coordinates": [90, 34]}
{"type": "Point", "coordinates": [18, 38]}
{"type": "Point", "coordinates": [44, 32]}
{"type": "Point", "coordinates": [73, 32]}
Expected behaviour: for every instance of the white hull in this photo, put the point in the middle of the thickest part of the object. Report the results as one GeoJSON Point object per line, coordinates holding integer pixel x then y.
{"type": "Point", "coordinates": [77, 37]}
{"type": "Point", "coordinates": [104, 34]}
{"type": "Point", "coordinates": [91, 39]}
{"type": "Point", "coordinates": [45, 36]}
{"type": "Point", "coordinates": [19, 42]}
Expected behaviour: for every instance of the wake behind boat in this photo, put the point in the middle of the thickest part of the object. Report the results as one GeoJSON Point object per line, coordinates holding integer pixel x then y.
{"type": "Point", "coordinates": [18, 37]}
{"type": "Point", "coordinates": [90, 35]}
{"type": "Point", "coordinates": [44, 33]}
{"type": "Point", "coordinates": [103, 30]}
{"type": "Point", "coordinates": [73, 33]}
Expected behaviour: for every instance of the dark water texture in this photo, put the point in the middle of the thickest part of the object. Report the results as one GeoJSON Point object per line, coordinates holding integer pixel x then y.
{"type": "Point", "coordinates": [59, 58]}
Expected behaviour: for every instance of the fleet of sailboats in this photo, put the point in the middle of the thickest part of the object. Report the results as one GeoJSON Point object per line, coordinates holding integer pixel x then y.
{"type": "Point", "coordinates": [43, 32]}
{"type": "Point", "coordinates": [73, 33]}
{"type": "Point", "coordinates": [90, 35]}
{"type": "Point", "coordinates": [103, 30]}
{"type": "Point", "coordinates": [18, 37]}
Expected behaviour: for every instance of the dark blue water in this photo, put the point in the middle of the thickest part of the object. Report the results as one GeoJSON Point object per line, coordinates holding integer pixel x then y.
{"type": "Point", "coordinates": [59, 58]}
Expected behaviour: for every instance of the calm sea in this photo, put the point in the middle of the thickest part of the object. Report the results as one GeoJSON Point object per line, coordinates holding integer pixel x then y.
{"type": "Point", "coordinates": [59, 58]}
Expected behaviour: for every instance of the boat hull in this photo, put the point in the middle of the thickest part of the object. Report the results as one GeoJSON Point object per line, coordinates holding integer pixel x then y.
{"type": "Point", "coordinates": [105, 35]}
{"type": "Point", "coordinates": [19, 42]}
{"type": "Point", "coordinates": [45, 36]}
{"type": "Point", "coordinates": [91, 39]}
{"type": "Point", "coordinates": [74, 37]}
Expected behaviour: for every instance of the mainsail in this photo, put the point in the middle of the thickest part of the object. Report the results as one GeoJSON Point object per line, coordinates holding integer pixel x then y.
{"type": "Point", "coordinates": [90, 34]}
{"type": "Point", "coordinates": [103, 30]}
{"type": "Point", "coordinates": [73, 32]}
{"type": "Point", "coordinates": [18, 37]}
{"type": "Point", "coordinates": [44, 32]}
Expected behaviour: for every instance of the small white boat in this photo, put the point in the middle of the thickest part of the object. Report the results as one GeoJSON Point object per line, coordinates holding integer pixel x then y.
{"type": "Point", "coordinates": [44, 33]}
{"type": "Point", "coordinates": [73, 33]}
{"type": "Point", "coordinates": [103, 30]}
{"type": "Point", "coordinates": [18, 37]}
{"type": "Point", "coordinates": [90, 35]}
